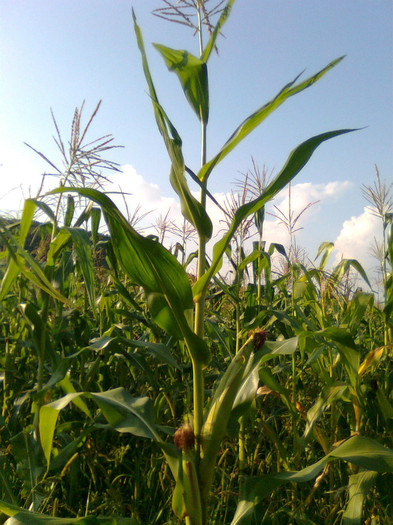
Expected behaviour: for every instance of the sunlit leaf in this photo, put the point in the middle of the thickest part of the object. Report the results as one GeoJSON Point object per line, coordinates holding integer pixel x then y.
{"type": "Point", "coordinates": [192, 73]}
{"type": "Point", "coordinates": [296, 161]}
{"type": "Point", "coordinates": [191, 208]}
{"type": "Point", "coordinates": [151, 266]}
{"type": "Point", "coordinates": [256, 118]}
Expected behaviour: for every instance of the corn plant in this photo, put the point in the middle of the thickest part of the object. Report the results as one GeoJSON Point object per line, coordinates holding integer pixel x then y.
{"type": "Point", "coordinates": [177, 313]}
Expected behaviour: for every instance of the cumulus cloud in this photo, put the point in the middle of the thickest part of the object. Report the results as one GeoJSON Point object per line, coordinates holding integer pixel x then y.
{"type": "Point", "coordinates": [356, 239]}
{"type": "Point", "coordinates": [146, 198]}
{"type": "Point", "coordinates": [307, 192]}
{"type": "Point", "coordinates": [138, 193]}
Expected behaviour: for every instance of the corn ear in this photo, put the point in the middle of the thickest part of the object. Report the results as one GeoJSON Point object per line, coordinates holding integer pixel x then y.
{"type": "Point", "coordinates": [186, 500]}
{"type": "Point", "coordinates": [215, 425]}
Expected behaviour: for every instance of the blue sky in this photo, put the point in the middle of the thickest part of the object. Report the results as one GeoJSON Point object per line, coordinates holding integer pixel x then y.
{"type": "Point", "coordinates": [55, 54]}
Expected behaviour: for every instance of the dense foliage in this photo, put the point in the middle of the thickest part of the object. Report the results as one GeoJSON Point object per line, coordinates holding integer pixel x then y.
{"type": "Point", "coordinates": [269, 401]}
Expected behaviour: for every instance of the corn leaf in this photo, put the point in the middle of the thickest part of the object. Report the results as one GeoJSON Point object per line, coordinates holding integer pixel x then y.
{"type": "Point", "coordinates": [298, 158]}
{"type": "Point", "coordinates": [361, 451]}
{"type": "Point", "coordinates": [82, 246]}
{"type": "Point", "coordinates": [250, 123]}
{"type": "Point", "coordinates": [192, 73]}
{"type": "Point", "coordinates": [191, 209]}
{"type": "Point", "coordinates": [358, 488]}
{"type": "Point", "coordinates": [216, 31]}
{"type": "Point", "coordinates": [13, 268]}
{"type": "Point", "coordinates": [124, 413]}
{"type": "Point", "coordinates": [151, 266]}
{"type": "Point", "coordinates": [21, 261]}
{"type": "Point", "coordinates": [345, 265]}
{"type": "Point", "coordinates": [21, 516]}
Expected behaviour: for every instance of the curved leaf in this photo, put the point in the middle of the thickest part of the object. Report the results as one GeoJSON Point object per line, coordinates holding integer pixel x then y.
{"type": "Point", "coordinates": [125, 413]}
{"type": "Point", "coordinates": [358, 488]}
{"type": "Point", "coordinates": [151, 266]}
{"type": "Point", "coordinates": [192, 73]}
{"type": "Point", "coordinates": [298, 158]}
{"type": "Point", "coordinates": [361, 451]}
{"type": "Point", "coordinates": [192, 210]}
{"type": "Point", "coordinates": [256, 118]}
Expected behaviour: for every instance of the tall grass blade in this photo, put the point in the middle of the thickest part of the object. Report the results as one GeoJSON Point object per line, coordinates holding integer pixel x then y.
{"type": "Point", "coordinates": [216, 31]}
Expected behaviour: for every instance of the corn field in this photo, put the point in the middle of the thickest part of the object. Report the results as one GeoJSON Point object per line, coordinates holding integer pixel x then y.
{"type": "Point", "coordinates": [137, 391]}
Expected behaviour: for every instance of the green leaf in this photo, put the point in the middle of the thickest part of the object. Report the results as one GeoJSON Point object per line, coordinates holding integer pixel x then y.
{"type": "Point", "coordinates": [345, 265]}
{"type": "Point", "coordinates": [256, 118]}
{"type": "Point", "coordinates": [191, 209]}
{"type": "Point", "coordinates": [362, 451]}
{"type": "Point", "coordinates": [328, 396]}
{"type": "Point", "coordinates": [124, 413]}
{"type": "Point", "coordinates": [21, 516]}
{"type": "Point", "coordinates": [358, 488]}
{"type": "Point", "coordinates": [95, 224]}
{"type": "Point", "coordinates": [21, 261]}
{"type": "Point", "coordinates": [298, 158]}
{"type": "Point", "coordinates": [69, 214]}
{"type": "Point", "coordinates": [219, 412]}
{"type": "Point", "coordinates": [57, 244]}
{"type": "Point", "coordinates": [151, 266]}
{"type": "Point", "coordinates": [216, 31]}
{"type": "Point", "coordinates": [81, 242]}
{"type": "Point", "coordinates": [325, 249]}
{"type": "Point", "coordinates": [47, 422]}
{"type": "Point", "coordinates": [13, 268]}
{"type": "Point", "coordinates": [157, 350]}
{"type": "Point", "coordinates": [192, 73]}
{"type": "Point", "coordinates": [127, 414]}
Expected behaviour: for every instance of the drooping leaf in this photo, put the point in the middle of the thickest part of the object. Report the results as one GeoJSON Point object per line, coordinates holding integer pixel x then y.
{"type": "Point", "coordinates": [191, 208]}
{"type": "Point", "coordinates": [345, 265]}
{"type": "Point", "coordinates": [325, 249]}
{"type": "Point", "coordinates": [361, 451]}
{"type": "Point", "coordinates": [250, 123]}
{"type": "Point", "coordinates": [296, 161]}
{"type": "Point", "coordinates": [125, 413]}
{"type": "Point", "coordinates": [192, 73]}
{"type": "Point", "coordinates": [158, 350]}
{"type": "Point", "coordinates": [151, 266]}
{"type": "Point", "coordinates": [358, 488]}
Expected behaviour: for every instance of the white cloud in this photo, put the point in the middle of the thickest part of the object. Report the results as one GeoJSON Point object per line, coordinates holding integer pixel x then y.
{"type": "Point", "coordinates": [356, 239]}
{"type": "Point", "coordinates": [137, 192]}
{"type": "Point", "coordinates": [353, 241]}
{"type": "Point", "coordinates": [19, 179]}
{"type": "Point", "coordinates": [305, 193]}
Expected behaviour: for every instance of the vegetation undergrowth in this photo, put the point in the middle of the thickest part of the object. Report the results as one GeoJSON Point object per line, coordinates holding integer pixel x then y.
{"type": "Point", "coordinates": [131, 396]}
